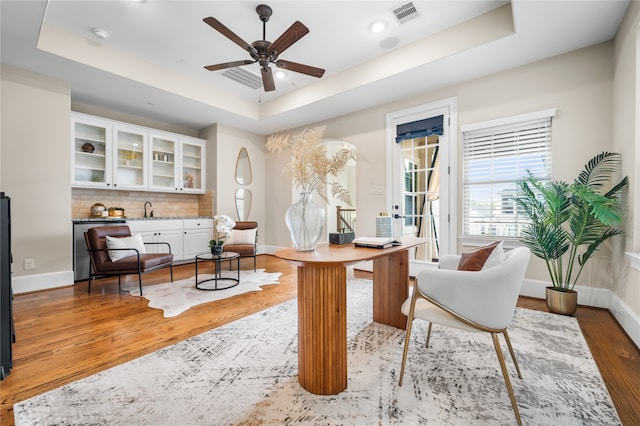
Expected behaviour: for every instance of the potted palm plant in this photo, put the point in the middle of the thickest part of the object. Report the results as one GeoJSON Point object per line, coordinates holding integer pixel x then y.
{"type": "Point", "coordinates": [568, 222]}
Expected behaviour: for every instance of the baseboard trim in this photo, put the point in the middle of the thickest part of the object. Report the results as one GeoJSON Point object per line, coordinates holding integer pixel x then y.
{"type": "Point", "coordinates": [29, 283]}
{"type": "Point", "coordinates": [626, 317]}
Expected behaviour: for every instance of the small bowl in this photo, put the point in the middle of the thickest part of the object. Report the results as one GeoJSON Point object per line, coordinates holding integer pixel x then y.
{"type": "Point", "coordinates": [87, 147]}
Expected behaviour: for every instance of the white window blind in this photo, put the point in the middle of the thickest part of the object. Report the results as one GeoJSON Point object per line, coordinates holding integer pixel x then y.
{"type": "Point", "coordinates": [496, 155]}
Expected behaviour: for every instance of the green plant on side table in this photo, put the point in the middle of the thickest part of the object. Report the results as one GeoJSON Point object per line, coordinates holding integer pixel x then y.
{"type": "Point", "coordinates": [568, 222]}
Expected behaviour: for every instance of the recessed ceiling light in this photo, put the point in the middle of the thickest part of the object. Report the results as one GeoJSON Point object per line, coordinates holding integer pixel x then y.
{"type": "Point", "coordinates": [378, 26]}
{"type": "Point", "coordinates": [100, 33]}
{"type": "Point", "coordinates": [280, 74]}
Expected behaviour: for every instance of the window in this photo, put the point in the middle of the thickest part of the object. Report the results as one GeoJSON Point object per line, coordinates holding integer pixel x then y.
{"type": "Point", "coordinates": [496, 155]}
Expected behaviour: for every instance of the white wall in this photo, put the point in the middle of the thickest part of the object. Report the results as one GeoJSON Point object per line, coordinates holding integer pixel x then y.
{"type": "Point", "coordinates": [578, 84]}
{"type": "Point", "coordinates": [626, 140]}
{"type": "Point", "coordinates": [228, 142]}
{"type": "Point", "coordinates": [36, 173]}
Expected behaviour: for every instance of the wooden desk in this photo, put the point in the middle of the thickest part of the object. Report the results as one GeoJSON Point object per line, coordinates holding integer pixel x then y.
{"type": "Point", "coordinates": [322, 305]}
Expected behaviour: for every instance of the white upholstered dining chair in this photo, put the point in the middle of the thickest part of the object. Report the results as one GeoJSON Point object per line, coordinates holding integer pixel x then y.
{"type": "Point", "coordinates": [478, 301]}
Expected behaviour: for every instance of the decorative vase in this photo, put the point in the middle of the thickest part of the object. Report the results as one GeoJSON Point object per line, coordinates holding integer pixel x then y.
{"type": "Point", "coordinates": [305, 220]}
{"type": "Point", "coordinates": [562, 302]}
{"type": "Point", "coordinates": [216, 250]}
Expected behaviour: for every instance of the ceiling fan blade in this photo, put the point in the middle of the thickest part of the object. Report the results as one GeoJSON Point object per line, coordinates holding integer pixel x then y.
{"type": "Point", "coordinates": [295, 32]}
{"type": "Point", "coordinates": [267, 79]}
{"type": "Point", "coordinates": [228, 65]}
{"type": "Point", "coordinates": [301, 68]}
{"type": "Point", "coordinates": [219, 26]}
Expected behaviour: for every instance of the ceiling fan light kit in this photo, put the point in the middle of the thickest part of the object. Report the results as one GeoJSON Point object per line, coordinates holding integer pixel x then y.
{"type": "Point", "coordinates": [265, 52]}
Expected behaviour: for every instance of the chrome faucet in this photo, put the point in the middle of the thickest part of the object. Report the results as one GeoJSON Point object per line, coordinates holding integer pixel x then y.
{"type": "Point", "coordinates": [145, 209]}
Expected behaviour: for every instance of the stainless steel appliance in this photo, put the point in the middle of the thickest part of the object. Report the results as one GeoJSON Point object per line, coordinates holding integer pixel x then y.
{"type": "Point", "coordinates": [80, 255]}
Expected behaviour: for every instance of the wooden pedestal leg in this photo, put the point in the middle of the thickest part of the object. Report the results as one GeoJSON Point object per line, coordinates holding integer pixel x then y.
{"type": "Point", "coordinates": [322, 325]}
{"type": "Point", "coordinates": [390, 288]}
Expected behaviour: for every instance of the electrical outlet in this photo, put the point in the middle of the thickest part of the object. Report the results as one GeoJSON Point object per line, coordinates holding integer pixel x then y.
{"type": "Point", "coordinates": [29, 264]}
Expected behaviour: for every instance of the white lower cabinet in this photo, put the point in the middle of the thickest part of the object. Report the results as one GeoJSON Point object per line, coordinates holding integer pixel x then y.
{"type": "Point", "coordinates": [187, 237]}
{"type": "Point", "coordinates": [196, 236]}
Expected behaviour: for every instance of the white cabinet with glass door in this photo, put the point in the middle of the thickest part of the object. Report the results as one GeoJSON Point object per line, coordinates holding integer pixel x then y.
{"type": "Point", "coordinates": [163, 149]}
{"type": "Point", "coordinates": [91, 152]}
{"type": "Point", "coordinates": [192, 152]}
{"type": "Point", "coordinates": [130, 152]}
{"type": "Point", "coordinates": [110, 154]}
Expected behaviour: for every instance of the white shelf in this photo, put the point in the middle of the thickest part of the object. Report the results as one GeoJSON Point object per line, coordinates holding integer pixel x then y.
{"type": "Point", "coordinates": [129, 166]}
{"type": "Point", "coordinates": [90, 139]}
{"type": "Point", "coordinates": [90, 154]}
{"type": "Point", "coordinates": [81, 167]}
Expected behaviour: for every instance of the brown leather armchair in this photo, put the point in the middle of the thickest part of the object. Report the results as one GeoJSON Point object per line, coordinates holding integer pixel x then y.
{"type": "Point", "coordinates": [244, 240]}
{"type": "Point", "coordinates": [139, 263]}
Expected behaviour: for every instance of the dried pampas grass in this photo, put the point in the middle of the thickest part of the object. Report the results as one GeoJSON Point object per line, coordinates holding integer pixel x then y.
{"type": "Point", "coordinates": [310, 167]}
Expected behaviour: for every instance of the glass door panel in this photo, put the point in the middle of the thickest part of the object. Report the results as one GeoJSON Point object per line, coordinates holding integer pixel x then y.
{"type": "Point", "coordinates": [421, 194]}
{"type": "Point", "coordinates": [191, 166]}
{"type": "Point", "coordinates": [163, 163]}
{"type": "Point", "coordinates": [91, 155]}
{"type": "Point", "coordinates": [129, 162]}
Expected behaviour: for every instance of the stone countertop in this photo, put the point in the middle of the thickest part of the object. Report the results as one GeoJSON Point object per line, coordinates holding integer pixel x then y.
{"type": "Point", "coordinates": [119, 219]}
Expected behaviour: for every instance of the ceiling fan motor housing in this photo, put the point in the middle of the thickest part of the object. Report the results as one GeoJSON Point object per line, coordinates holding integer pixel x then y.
{"type": "Point", "coordinates": [264, 12]}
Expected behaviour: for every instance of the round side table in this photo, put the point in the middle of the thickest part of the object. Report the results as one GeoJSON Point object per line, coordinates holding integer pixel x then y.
{"type": "Point", "coordinates": [218, 279]}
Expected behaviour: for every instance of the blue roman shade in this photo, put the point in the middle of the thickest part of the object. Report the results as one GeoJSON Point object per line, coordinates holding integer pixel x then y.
{"type": "Point", "coordinates": [421, 128]}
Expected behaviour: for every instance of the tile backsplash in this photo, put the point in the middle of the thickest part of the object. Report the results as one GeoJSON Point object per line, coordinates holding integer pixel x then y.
{"type": "Point", "coordinates": [163, 204]}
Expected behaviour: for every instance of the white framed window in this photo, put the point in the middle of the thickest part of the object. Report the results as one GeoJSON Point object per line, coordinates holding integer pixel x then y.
{"type": "Point", "coordinates": [496, 155]}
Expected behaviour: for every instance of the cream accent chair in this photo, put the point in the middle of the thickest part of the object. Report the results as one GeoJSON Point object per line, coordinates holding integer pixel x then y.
{"type": "Point", "coordinates": [482, 301]}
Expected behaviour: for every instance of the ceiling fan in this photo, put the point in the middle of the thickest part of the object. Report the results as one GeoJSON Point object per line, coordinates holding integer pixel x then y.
{"type": "Point", "coordinates": [265, 52]}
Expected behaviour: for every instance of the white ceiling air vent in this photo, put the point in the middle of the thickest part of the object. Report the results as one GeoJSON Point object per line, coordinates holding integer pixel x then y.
{"type": "Point", "coordinates": [405, 12]}
{"type": "Point", "coordinates": [243, 76]}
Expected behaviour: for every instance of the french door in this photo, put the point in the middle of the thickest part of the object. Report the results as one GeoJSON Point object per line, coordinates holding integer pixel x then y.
{"type": "Point", "coordinates": [420, 187]}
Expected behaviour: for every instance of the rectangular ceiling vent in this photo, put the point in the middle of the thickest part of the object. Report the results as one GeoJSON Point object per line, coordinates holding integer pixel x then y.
{"type": "Point", "coordinates": [243, 76]}
{"type": "Point", "coordinates": [405, 12]}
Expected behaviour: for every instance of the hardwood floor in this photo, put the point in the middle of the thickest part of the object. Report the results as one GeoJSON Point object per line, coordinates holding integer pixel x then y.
{"type": "Point", "coordinates": [66, 334]}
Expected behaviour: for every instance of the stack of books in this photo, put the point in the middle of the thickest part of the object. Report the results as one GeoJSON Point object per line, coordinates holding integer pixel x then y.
{"type": "Point", "coordinates": [376, 242]}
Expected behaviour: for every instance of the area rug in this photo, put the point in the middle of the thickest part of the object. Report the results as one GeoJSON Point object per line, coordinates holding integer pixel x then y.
{"type": "Point", "coordinates": [245, 373]}
{"type": "Point", "coordinates": [176, 297]}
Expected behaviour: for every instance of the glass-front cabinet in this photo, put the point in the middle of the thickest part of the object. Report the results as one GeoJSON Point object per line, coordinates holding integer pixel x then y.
{"type": "Point", "coordinates": [191, 165]}
{"type": "Point", "coordinates": [130, 162]}
{"type": "Point", "coordinates": [163, 162]}
{"type": "Point", "coordinates": [91, 146]}
{"type": "Point", "coordinates": [114, 155]}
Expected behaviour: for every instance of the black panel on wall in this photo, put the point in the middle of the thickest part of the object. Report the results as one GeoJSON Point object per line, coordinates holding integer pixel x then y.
{"type": "Point", "coordinates": [7, 336]}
